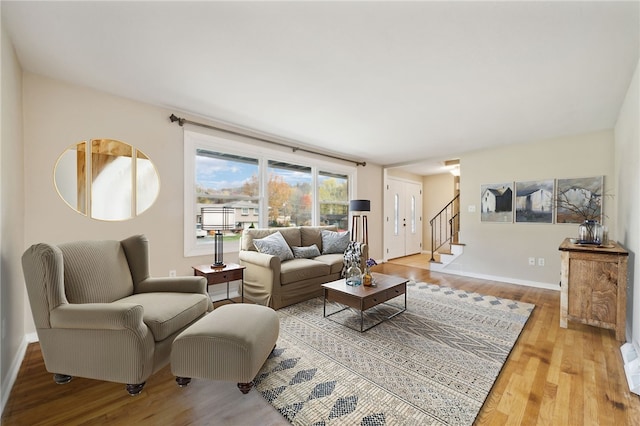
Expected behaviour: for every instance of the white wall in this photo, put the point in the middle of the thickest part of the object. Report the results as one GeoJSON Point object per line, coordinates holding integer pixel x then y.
{"type": "Point", "coordinates": [369, 187]}
{"type": "Point", "coordinates": [501, 250]}
{"type": "Point", "coordinates": [12, 222]}
{"type": "Point", "coordinates": [627, 188]}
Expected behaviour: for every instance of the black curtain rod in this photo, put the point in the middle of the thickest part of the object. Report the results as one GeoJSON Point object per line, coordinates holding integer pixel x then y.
{"type": "Point", "coordinates": [182, 121]}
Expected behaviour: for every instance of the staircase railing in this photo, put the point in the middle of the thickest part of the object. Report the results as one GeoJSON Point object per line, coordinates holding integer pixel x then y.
{"type": "Point", "coordinates": [445, 225]}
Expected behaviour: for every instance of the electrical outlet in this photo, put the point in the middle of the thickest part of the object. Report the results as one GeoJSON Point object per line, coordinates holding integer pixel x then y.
{"type": "Point", "coordinates": [541, 261]}
{"type": "Point", "coordinates": [471, 208]}
{"type": "Point", "coordinates": [532, 261]}
{"type": "Point", "coordinates": [172, 273]}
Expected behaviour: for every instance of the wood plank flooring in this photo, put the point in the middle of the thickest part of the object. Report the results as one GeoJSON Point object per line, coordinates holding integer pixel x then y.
{"type": "Point", "coordinates": [553, 376]}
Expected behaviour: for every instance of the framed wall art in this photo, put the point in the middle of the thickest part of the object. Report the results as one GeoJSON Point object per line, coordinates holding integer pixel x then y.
{"type": "Point", "coordinates": [534, 201]}
{"type": "Point", "coordinates": [579, 199]}
{"type": "Point", "coordinates": [496, 202]}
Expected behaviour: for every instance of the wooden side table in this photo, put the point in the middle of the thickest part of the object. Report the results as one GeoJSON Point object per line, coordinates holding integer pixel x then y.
{"type": "Point", "coordinates": [594, 286]}
{"type": "Point", "coordinates": [230, 272]}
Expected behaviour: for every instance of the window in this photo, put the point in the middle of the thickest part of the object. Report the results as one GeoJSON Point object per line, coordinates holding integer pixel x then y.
{"type": "Point", "coordinates": [289, 192]}
{"type": "Point", "coordinates": [396, 214]}
{"type": "Point", "coordinates": [413, 214]}
{"type": "Point", "coordinates": [263, 187]}
{"type": "Point", "coordinates": [333, 196]}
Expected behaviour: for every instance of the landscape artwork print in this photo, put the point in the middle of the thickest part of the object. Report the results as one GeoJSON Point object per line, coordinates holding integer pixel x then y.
{"type": "Point", "coordinates": [496, 202]}
{"type": "Point", "coordinates": [579, 199]}
{"type": "Point", "coordinates": [534, 201]}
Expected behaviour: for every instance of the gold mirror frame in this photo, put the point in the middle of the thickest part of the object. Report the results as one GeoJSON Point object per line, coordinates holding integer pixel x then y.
{"type": "Point", "coordinates": [106, 179]}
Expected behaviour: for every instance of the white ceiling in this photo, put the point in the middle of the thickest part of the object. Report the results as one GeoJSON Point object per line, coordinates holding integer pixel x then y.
{"type": "Point", "coordinates": [386, 82]}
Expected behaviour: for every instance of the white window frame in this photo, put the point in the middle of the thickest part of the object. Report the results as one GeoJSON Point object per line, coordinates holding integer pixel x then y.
{"type": "Point", "coordinates": [196, 140]}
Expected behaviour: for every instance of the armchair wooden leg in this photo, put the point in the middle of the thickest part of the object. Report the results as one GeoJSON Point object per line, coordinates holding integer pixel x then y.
{"type": "Point", "coordinates": [183, 381]}
{"type": "Point", "coordinates": [61, 379]}
{"type": "Point", "coordinates": [245, 387]}
{"type": "Point", "coordinates": [135, 389]}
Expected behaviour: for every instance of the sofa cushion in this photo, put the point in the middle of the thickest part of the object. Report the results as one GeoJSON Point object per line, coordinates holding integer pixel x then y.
{"type": "Point", "coordinates": [334, 242]}
{"type": "Point", "coordinates": [310, 235]}
{"type": "Point", "coordinates": [296, 270]}
{"type": "Point", "coordinates": [334, 261]}
{"type": "Point", "coordinates": [274, 245]}
{"type": "Point", "coordinates": [167, 312]}
{"type": "Point", "coordinates": [306, 252]}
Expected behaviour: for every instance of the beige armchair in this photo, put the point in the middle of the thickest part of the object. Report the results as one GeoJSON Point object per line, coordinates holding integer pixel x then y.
{"type": "Point", "coordinates": [99, 315]}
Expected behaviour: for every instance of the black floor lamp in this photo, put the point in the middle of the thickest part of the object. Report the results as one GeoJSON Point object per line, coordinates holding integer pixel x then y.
{"type": "Point", "coordinates": [217, 219]}
{"type": "Point", "coordinates": [358, 208]}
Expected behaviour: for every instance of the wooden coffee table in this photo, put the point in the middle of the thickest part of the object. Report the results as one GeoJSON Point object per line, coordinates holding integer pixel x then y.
{"type": "Point", "coordinates": [386, 287]}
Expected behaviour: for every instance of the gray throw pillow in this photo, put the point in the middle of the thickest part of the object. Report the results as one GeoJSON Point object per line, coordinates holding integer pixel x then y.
{"type": "Point", "coordinates": [334, 242]}
{"type": "Point", "coordinates": [306, 252]}
{"type": "Point", "coordinates": [275, 245]}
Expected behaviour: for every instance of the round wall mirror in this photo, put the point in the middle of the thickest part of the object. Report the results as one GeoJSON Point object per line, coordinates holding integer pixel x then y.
{"type": "Point", "coordinates": [106, 179]}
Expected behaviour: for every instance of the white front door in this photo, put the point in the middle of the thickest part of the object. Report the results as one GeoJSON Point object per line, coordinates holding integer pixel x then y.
{"type": "Point", "coordinates": [393, 219]}
{"type": "Point", "coordinates": [413, 213]}
{"type": "Point", "coordinates": [403, 218]}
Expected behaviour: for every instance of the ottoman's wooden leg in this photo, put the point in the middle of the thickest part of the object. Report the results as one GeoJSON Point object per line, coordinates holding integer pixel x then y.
{"type": "Point", "coordinates": [245, 387]}
{"type": "Point", "coordinates": [183, 381]}
{"type": "Point", "coordinates": [135, 389]}
{"type": "Point", "coordinates": [61, 379]}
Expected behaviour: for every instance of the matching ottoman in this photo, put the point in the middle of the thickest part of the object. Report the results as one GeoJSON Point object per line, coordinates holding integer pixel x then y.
{"type": "Point", "coordinates": [231, 343]}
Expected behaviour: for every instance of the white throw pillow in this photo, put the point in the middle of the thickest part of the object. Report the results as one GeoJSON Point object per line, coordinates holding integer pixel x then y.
{"type": "Point", "coordinates": [334, 242]}
{"type": "Point", "coordinates": [275, 245]}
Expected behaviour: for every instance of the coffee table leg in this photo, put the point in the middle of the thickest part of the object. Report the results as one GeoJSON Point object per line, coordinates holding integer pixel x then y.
{"type": "Point", "coordinates": [324, 303]}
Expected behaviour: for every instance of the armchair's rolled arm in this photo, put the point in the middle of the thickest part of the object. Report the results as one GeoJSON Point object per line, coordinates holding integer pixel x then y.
{"type": "Point", "coordinates": [173, 284]}
{"type": "Point", "coordinates": [98, 316]}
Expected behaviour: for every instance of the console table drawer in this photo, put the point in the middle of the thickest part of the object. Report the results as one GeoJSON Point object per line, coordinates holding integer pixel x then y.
{"type": "Point", "coordinates": [223, 277]}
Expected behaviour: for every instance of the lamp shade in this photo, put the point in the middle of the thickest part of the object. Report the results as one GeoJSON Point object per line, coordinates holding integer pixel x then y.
{"type": "Point", "coordinates": [360, 205]}
{"type": "Point", "coordinates": [217, 218]}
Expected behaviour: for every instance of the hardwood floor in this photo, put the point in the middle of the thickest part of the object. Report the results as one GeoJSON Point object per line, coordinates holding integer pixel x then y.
{"type": "Point", "coordinates": [553, 376]}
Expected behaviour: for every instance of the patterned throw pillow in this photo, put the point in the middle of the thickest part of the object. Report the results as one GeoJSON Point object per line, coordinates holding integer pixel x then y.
{"type": "Point", "coordinates": [275, 245]}
{"type": "Point", "coordinates": [334, 242]}
{"type": "Point", "coordinates": [306, 252]}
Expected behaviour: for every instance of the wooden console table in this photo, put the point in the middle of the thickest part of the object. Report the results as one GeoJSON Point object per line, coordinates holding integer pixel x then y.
{"type": "Point", "coordinates": [594, 286]}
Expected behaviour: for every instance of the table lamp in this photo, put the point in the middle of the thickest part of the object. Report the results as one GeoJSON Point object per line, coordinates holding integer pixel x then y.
{"type": "Point", "coordinates": [217, 219]}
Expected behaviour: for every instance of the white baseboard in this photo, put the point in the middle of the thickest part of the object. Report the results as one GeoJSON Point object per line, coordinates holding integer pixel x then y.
{"type": "Point", "coordinates": [507, 280]}
{"type": "Point", "coordinates": [12, 374]}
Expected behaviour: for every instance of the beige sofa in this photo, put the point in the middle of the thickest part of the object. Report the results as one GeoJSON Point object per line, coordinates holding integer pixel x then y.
{"type": "Point", "coordinates": [275, 283]}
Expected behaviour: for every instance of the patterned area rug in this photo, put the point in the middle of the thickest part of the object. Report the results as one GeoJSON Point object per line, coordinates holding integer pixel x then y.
{"type": "Point", "coordinates": [433, 364]}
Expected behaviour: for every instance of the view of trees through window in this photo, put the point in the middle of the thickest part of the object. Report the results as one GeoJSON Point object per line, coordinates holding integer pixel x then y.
{"type": "Point", "coordinates": [234, 181]}
{"type": "Point", "coordinates": [289, 194]}
{"type": "Point", "coordinates": [333, 191]}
